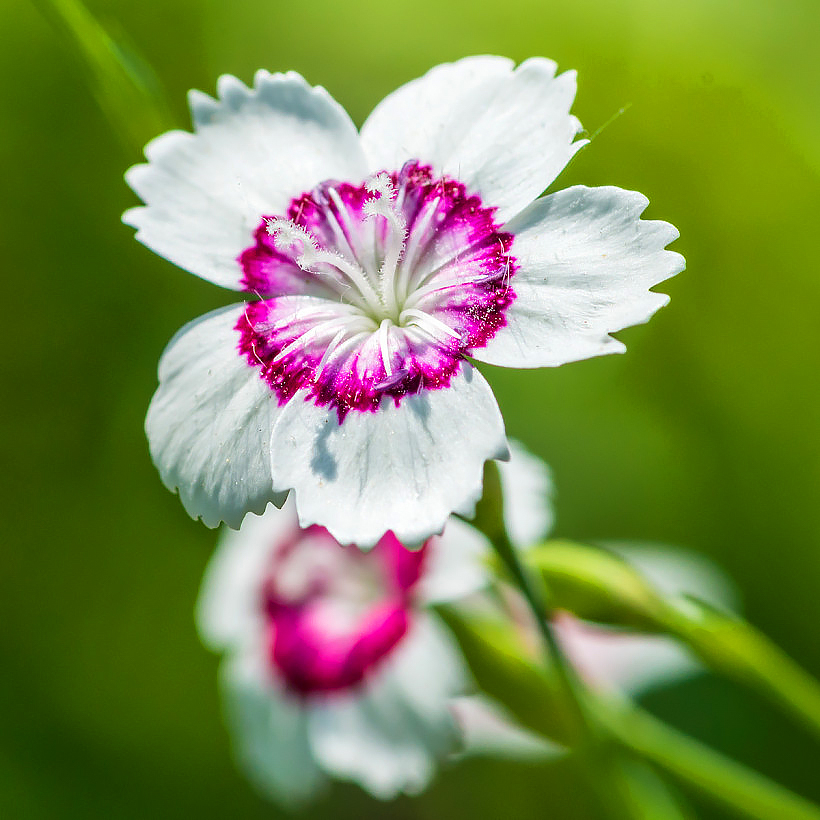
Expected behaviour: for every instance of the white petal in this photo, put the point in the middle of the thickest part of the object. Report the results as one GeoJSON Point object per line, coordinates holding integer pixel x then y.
{"type": "Point", "coordinates": [227, 611]}
{"type": "Point", "coordinates": [623, 661]}
{"type": "Point", "coordinates": [456, 564]}
{"type": "Point", "coordinates": [527, 485]}
{"type": "Point", "coordinates": [676, 571]}
{"type": "Point", "coordinates": [505, 133]}
{"type": "Point", "coordinates": [487, 730]}
{"type": "Point", "coordinates": [587, 262]}
{"type": "Point", "coordinates": [209, 423]}
{"type": "Point", "coordinates": [269, 735]}
{"type": "Point", "coordinates": [402, 468]}
{"type": "Point", "coordinates": [252, 152]}
{"type": "Point", "coordinates": [388, 736]}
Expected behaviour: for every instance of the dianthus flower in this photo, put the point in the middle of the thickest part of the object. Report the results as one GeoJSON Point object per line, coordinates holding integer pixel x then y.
{"type": "Point", "coordinates": [334, 666]}
{"type": "Point", "coordinates": [378, 265]}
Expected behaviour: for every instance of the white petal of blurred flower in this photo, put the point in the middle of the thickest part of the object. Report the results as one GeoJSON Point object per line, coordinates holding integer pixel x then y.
{"type": "Point", "coordinates": [379, 263]}
{"type": "Point", "coordinates": [333, 666]}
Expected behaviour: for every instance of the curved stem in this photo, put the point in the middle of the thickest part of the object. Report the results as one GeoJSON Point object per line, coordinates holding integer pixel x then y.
{"type": "Point", "coordinates": [723, 780]}
{"type": "Point", "coordinates": [738, 650]}
{"type": "Point", "coordinates": [597, 726]}
{"type": "Point", "coordinates": [579, 728]}
{"type": "Point", "coordinates": [589, 743]}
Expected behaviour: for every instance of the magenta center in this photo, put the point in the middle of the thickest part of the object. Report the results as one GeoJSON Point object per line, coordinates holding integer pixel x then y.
{"type": "Point", "coordinates": [334, 613]}
{"type": "Point", "coordinates": [374, 290]}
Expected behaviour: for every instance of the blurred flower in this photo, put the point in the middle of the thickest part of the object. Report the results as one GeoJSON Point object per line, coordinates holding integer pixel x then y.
{"type": "Point", "coordinates": [333, 666]}
{"type": "Point", "coordinates": [618, 661]}
{"type": "Point", "coordinates": [382, 262]}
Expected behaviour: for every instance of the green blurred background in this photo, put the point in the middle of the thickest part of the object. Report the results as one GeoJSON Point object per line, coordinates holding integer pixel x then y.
{"type": "Point", "coordinates": [706, 434]}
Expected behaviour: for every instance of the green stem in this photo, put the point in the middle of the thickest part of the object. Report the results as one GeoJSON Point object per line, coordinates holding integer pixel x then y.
{"type": "Point", "coordinates": [723, 780]}
{"type": "Point", "coordinates": [599, 586]}
{"type": "Point", "coordinates": [738, 650]}
{"type": "Point", "coordinates": [489, 519]}
{"type": "Point", "coordinates": [645, 792]}
{"type": "Point", "coordinates": [535, 596]}
{"type": "Point", "coordinates": [589, 743]}
{"type": "Point", "coordinates": [597, 728]}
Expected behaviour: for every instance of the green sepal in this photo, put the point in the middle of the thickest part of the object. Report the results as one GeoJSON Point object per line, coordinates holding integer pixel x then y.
{"type": "Point", "coordinates": [501, 667]}
{"type": "Point", "coordinates": [596, 585]}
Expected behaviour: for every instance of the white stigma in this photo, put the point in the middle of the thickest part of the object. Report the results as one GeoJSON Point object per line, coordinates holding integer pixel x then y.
{"type": "Point", "coordinates": [288, 236]}
{"type": "Point", "coordinates": [384, 204]}
{"type": "Point", "coordinates": [382, 185]}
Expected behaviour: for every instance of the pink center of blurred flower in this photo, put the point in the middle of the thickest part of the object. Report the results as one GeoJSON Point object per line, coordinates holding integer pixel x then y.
{"type": "Point", "coordinates": [334, 613]}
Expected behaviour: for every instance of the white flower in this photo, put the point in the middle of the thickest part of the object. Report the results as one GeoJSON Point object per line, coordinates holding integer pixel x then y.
{"type": "Point", "coordinates": [332, 666]}
{"type": "Point", "coordinates": [380, 264]}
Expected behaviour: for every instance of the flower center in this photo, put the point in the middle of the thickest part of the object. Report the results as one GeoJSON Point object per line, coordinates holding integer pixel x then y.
{"type": "Point", "coordinates": [334, 613]}
{"type": "Point", "coordinates": [373, 290]}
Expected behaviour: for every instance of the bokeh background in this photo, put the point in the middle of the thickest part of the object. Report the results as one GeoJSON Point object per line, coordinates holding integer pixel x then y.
{"type": "Point", "coordinates": [706, 434]}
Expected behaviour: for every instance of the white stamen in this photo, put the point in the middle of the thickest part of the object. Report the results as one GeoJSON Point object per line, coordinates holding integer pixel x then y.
{"type": "Point", "coordinates": [421, 277]}
{"type": "Point", "coordinates": [414, 243]}
{"type": "Point", "coordinates": [301, 315]}
{"type": "Point", "coordinates": [339, 224]}
{"type": "Point", "coordinates": [331, 349]}
{"type": "Point", "coordinates": [420, 293]}
{"type": "Point", "coordinates": [384, 344]}
{"type": "Point", "coordinates": [424, 321]}
{"type": "Point", "coordinates": [307, 337]}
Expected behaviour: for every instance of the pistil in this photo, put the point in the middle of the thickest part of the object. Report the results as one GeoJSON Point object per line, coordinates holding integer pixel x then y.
{"type": "Point", "coordinates": [290, 236]}
{"type": "Point", "coordinates": [383, 204]}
